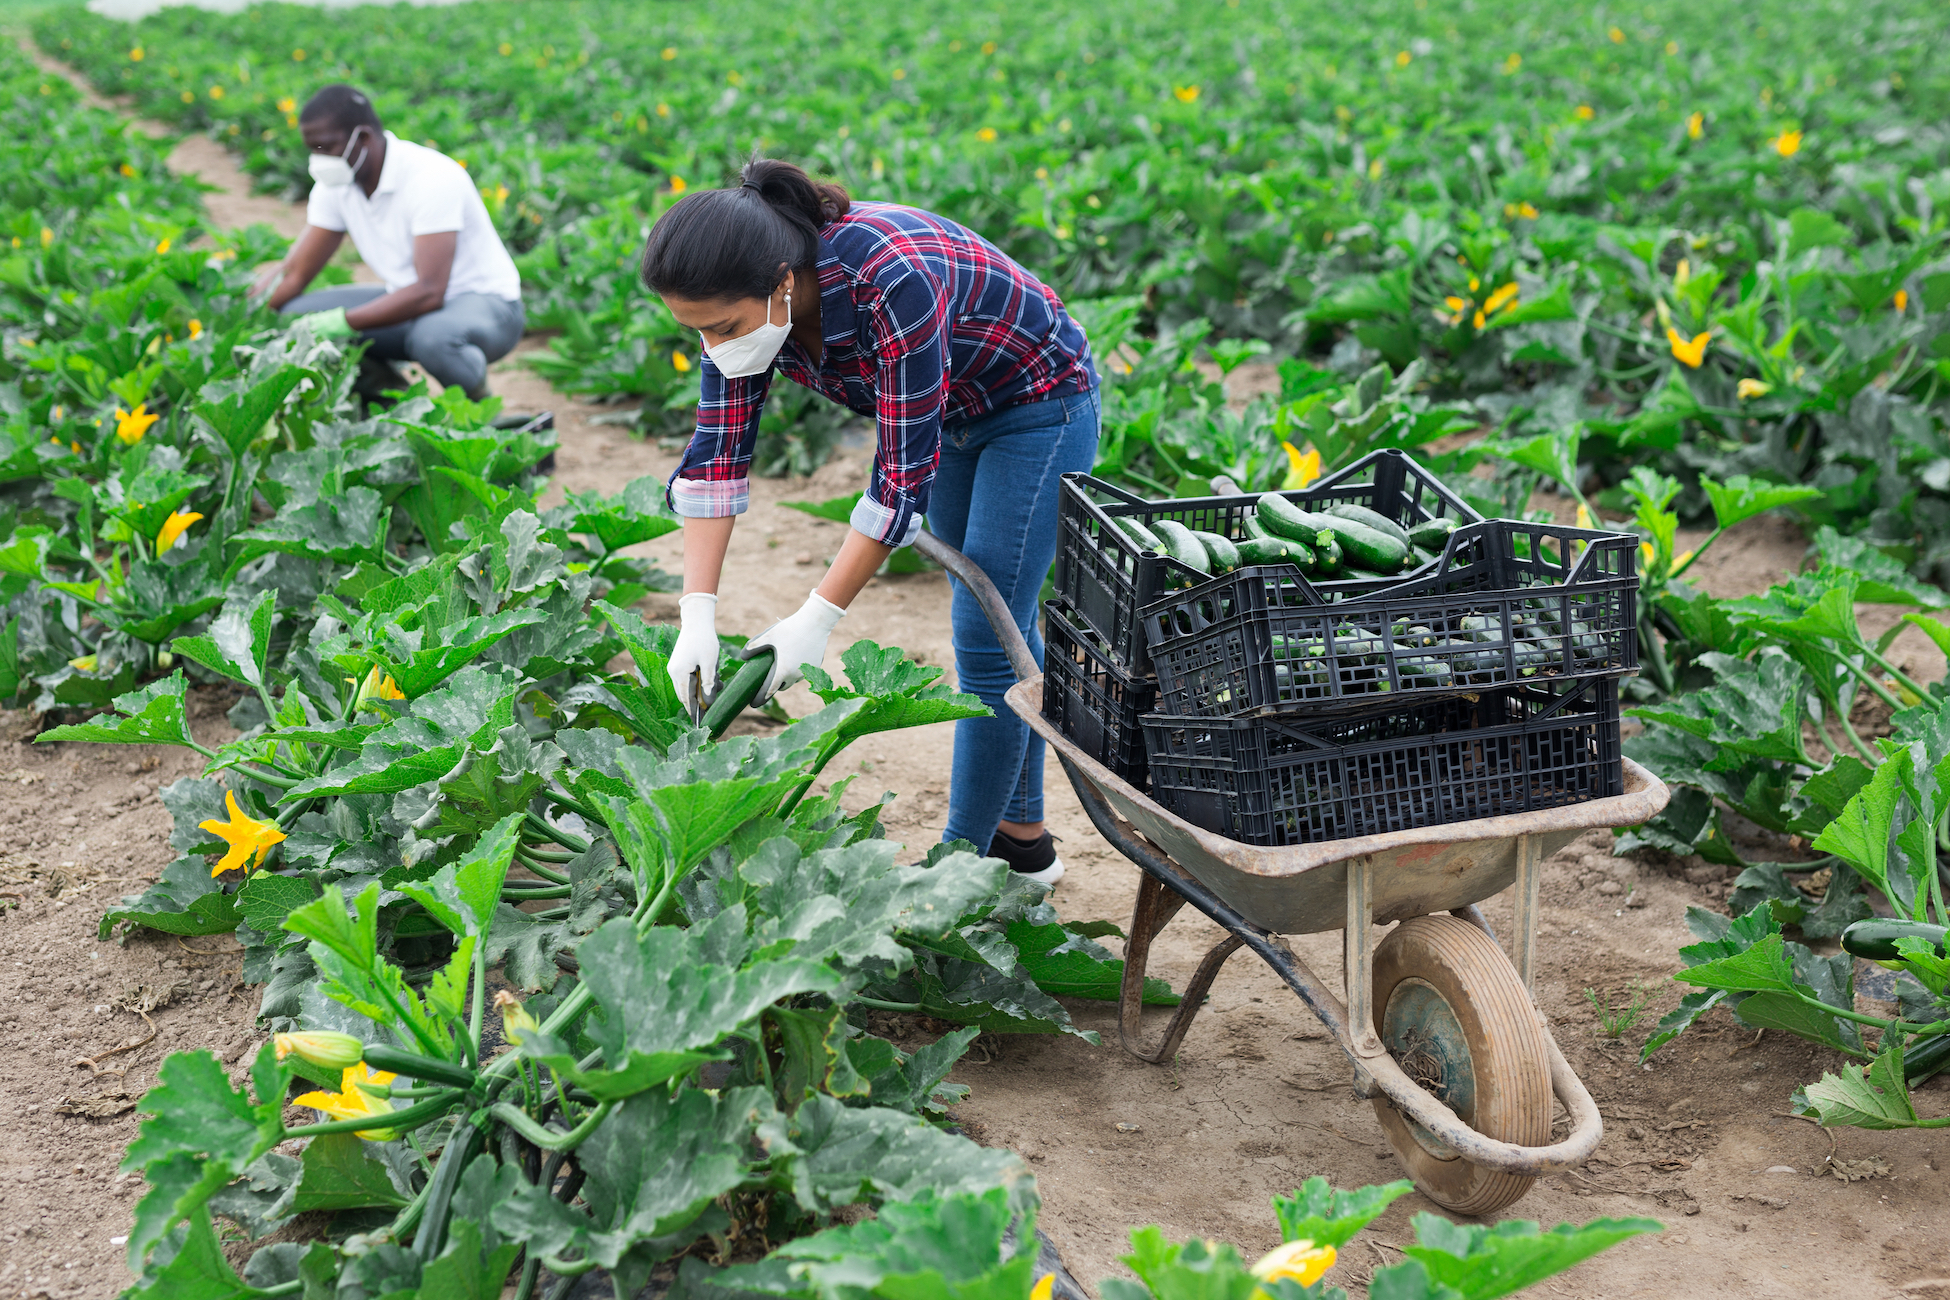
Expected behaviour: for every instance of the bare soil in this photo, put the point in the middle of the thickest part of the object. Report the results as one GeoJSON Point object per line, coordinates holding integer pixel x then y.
{"type": "Point", "coordinates": [1756, 1202]}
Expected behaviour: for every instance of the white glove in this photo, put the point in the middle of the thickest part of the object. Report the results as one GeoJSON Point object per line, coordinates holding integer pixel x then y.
{"type": "Point", "coordinates": [796, 641]}
{"type": "Point", "coordinates": [696, 648]}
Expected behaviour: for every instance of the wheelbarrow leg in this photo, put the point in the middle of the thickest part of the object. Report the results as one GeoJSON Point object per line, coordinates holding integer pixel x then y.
{"type": "Point", "coordinates": [1155, 907]}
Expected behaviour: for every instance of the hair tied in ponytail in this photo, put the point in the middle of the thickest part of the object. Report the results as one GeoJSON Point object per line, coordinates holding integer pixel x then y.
{"type": "Point", "coordinates": [712, 246]}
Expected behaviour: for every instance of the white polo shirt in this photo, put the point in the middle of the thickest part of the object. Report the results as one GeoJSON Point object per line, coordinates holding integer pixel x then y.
{"type": "Point", "coordinates": [421, 192]}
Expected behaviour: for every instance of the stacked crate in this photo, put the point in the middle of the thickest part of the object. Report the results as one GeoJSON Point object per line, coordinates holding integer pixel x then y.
{"type": "Point", "coordinates": [1291, 709]}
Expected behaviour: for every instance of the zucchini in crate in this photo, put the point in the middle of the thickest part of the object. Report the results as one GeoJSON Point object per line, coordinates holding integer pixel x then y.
{"type": "Point", "coordinates": [1137, 532]}
{"type": "Point", "coordinates": [1364, 546]}
{"type": "Point", "coordinates": [1219, 550]}
{"type": "Point", "coordinates": [1182, 547]}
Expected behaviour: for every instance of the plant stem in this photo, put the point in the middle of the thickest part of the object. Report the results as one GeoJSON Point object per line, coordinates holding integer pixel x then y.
{"type": "Point", "coordinates": [556, 833]}
{"type": "Point", "coordinates": [1903, 679]}
{"type": "Point", "coordinates": [547, 1139]}
{"type": "Point", "coordinates": [879, 1005]}
{"type": "Point", "coordinates": [543, 870]}
{"type": "Point", "coordinates": [1868, 680]}
{"type": "Point", "coordinates": [412, 1116]}
{"type": "Point", "coordinates": [1868, 755]}
{"type": "Point", "coordinates": [480, 1000]}
{"type": "Point", "coordinates": [515, 894]}
{"type": "Point", "coordinates": [1698, 551]}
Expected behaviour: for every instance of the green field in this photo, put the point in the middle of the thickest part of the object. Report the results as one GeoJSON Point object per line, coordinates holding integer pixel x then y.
{"type": "Point", "coordinates": [1680, 263]}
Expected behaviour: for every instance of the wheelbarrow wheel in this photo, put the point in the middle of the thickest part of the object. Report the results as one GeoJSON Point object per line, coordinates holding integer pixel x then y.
{"type": "Point", "coordinates": [1458, 1021]}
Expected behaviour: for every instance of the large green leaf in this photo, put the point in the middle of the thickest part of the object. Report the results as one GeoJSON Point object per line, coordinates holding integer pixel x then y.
{"type": "Point", "coordinates": [1763, 966]}
{"type": "Point", "coordinates": [1318, 1213]}
{"type": "Point", "coordinates": [1884, 581]}
{"type": "Point", "coordinates": [844, 1154]}
{"type": "Point", "coordinates": [636, 514]}
{"type": "Point", "coordinates": [184, 900]}
{"type": "Point", "coordinates": [418, 661]}
{"type": "Point", "coordinates": [898, 693]}
{"type": "Point", "coordinates": [463, 895]}
{"type": "Point", "coordinates": [239, 417]}
{"type": "Point", "coordinates": [151, 715]}
{"type": "Point", "coordinates": [347, 528]}
{"type": "Point", "coordinates": [339, 1175]}
{"type": "Point", "coordinates": [1750, 709]}
{"type": "Point", "coordinates": [204, 1131]}
{"type": "Point", "coordinates": [1859, 835]}
{"type": "Point", "coordinates": [1068, 965]}
{"type": "Point", "coordinates": [654, 1167]}
{"type": "Point", "coordinates": [669, 998]}
{"type": "Point", "coordinates": [427, 743]}
{"type": "Point", "coordinates": [1484, 1261]}
{"type": "Point", "coordinates": [1871, 1097]}
{"type": "Point", "coordinates": [1741, 497]}
{"type": "Point", "coordinates": [198, 1271]}
{"type": "Point", "coordinates": [239, 643]}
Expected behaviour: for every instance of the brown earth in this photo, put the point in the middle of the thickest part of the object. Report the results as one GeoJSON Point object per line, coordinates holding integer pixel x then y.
{"type": "Point", "coordinates": [1257, 1100]}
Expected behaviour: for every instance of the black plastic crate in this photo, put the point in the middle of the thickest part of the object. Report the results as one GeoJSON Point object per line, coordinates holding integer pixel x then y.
{"type": "Point", "coordinates": [1107, 579]}
{"type": "Point", "coordinates": [1507, 603]}
{"type": "Point", "coordinates": [1089, 698]}
{"type": "Point", "coordinates": [1273, 781]}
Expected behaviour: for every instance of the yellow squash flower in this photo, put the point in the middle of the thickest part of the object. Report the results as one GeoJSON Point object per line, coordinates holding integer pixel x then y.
{"type": "Point", "coordinates": [1690, 353]}
{"type": "Point", "coordinates": [1645, 549]}
{"type": "Point", "coordinates": [1044, 1288]}
{"type": "Point", "coordinates": [85, 664]}
{"type": "Point", "coordinates": [135, 55]}
{"type": "Point", "coordinates": [1303, 467]}
{"type": "Point", "coordinates": [126, 170]}
{"type": "Point", "coordinates": [376, 688]}
{"type": "Point", "coordinates": [1695, 126]}
{"type": "Point", "coordinates": [1584, 112]}
{"type": "Point", "coordinates": [131, 425]}
{"type": "Point", "coordinates": [669, 52]}
{"type": "Point", "coordinates": [986, 135]}
{"type": "Point", "coordinates": [1503, 294]}
{"type": "Point", "coordinates": [297, 56]}
{"type": "Point", "coordinates": [350, 1103]}
{"type": "Point", "coordinates": [1186, 94]}
{"type": "Point", "coordinates": [1787, 143]}
{"type": "Point", "coordinates": [1617, 36]}
{"type": "Point", "coordinates": [677, 185]}
{"type": "Point", "coordinates": [1901, 300]}
{"type": "Point", "coordinates": [196, 328]}
{"type": "Point", "coordinates": [1300, 1260]}
{"type": "Point", "coordinates": [1512, 63]}
{"type": "Point", "coordinates": [287, 105]}
{"type": "Point", "coordinates": [1527, 212]}
{"type": "Point", "coordinates": [47, 237]}
{"type": "Point", "coordinates": [1479, 320]}
{"type": "Point", "coordinates": [1403, 59]}
{"type": "Point", "coordinates": [1584, 515]}
{"type": "Point", "coordinates": [1752, 388]}
{"type": "Point", "coordinates": [162, 247]}
{"type": "Point", "coordinates": [323, 1048]}
{"type": "Point", "coordinates": [171, 533]}
{"type": "Point", "coordinates": [245, 836]}
{"type": "Point", "coordinates": [679, 362]}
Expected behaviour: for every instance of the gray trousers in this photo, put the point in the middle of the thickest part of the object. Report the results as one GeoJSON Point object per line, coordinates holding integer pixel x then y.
{"type": "Point", "coordinates": [454, 343]}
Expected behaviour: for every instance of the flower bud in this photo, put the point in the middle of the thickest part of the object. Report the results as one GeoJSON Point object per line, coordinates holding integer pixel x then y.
{"type": "Point", "coordinates": [1300, 1260]}
{"type": "Point", "coordinates": [327, 1050]}
{"type": "Point", "coordinates": [516, 1023]}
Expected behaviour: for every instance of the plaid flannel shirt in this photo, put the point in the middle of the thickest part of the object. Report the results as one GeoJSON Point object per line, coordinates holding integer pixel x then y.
{"type": "Point", "coordinates": [925, 323]}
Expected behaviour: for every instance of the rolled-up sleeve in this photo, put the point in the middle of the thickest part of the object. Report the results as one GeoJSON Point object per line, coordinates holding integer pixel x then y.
{"type": "Point", "coordinates": [909, 324]}
{"type": "Point", "coordinates": [714, 477]}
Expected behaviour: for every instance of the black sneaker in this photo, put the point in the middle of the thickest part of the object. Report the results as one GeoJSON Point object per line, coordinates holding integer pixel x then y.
{"type": "Point", "coordinates": [1033, 859]}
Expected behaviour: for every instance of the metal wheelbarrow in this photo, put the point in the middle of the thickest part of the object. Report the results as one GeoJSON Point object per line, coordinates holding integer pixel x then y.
{"type": "Point", "coordinates": [1442, 1029]}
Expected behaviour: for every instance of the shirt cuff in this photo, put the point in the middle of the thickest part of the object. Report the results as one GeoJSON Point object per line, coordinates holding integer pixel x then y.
{"type": "Point", "coordinates": [894, 525]}
{"type": "Point", "coordinates": [696, 498]}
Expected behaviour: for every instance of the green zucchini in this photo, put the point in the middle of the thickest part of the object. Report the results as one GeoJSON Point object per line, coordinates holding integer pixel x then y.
{"type": "Point", "coordinates": [1223, 554]}
{"type": "Point", "coordinates": [414, 1066]}
{"type": "Point", "coordinates": [1362, 515]}
{"type": "Point", "coordinates": [1925, 1058]}
{"type": "Point", "coordinates": [1181, 546]}
{"type": "Point", "coordinates": [1252, 530]}
{"type": "Point", "coordinates": [1137, 532]}
{"type": "Point", "coordinates": [1364, 545]}
{"type": "Point", "coordinates": [735, 694]}
{"type": "Point", "coordinates": [1432, 533]}
{"type": "Point", "coordinates": [1255, 550]}
{"type": "Point", "coordinates": [1875, 938]}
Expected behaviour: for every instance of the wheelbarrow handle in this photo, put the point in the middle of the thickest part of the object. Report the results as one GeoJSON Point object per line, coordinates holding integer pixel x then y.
{"type": "Point", "coordinates": [1006, 632]}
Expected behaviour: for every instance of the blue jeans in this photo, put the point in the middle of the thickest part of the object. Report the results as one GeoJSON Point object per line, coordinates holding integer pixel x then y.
{"type": "Point", "coordinates": [994, 500]}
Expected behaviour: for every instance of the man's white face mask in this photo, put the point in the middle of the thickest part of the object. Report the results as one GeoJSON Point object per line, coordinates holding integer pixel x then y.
{"type": "Point", "coordinates": [333, 170]}
{"type": "Point", "coordinates": [752, 353]}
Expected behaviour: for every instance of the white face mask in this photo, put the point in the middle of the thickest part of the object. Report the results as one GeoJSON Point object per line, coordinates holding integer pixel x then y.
{"type": "Point", "coordinates": [752, 353]}
{"type": "Point", "coordinates": [334, 171]}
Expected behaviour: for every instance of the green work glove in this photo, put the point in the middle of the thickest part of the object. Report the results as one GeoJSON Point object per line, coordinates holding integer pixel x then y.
{"type": "Point", "coordinates": [328, 324]}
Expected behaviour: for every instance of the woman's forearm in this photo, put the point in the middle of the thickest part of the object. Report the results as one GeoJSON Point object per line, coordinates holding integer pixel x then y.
{"type": "Point", "coordinates": [859, 559]}
{"type": "Point", "coordinates": [705, 542]}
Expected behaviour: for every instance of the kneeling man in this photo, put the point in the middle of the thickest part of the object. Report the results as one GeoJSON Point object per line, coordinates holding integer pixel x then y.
{"type": "Point", "coordinates": [452, 297]}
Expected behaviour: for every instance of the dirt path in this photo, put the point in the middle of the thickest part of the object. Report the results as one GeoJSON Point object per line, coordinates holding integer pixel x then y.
{"type": "Point", "coordinates": [1257, 1100]}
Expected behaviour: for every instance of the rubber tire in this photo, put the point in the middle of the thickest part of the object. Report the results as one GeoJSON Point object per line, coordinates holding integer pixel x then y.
{"type": "Point", "coordinates": [1507, 1049]}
